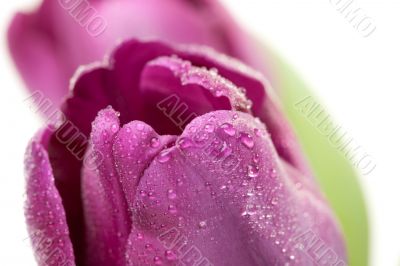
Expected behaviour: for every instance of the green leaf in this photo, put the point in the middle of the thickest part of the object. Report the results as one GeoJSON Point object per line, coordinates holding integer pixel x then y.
{"type": "Point", "coordinates": [338, 179]}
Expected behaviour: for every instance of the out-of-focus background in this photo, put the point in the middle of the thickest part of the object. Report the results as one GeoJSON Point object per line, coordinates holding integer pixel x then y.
{"type": "Point", "coordinates": [357, 78]}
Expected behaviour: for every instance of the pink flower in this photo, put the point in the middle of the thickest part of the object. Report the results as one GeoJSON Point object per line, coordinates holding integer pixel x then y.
{"type": "Point", "coordinates": [189, 161]}
{"type": "Point", "coordinates": [50, 43]}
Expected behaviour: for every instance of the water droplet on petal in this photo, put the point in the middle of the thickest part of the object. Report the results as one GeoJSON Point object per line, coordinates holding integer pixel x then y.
{"type": "Point", "coordinates": [228, 129]}
{"type": "Point", "coordinates": [171, 194]}
{"type": "Point", "coordinates": [114, 128]}
{"type": "Point", "coordinates": [157, 260]}
{"type": "Point", "coordinates": [213, 71]}
{"type": "Point", "coordinates": [256, 157]}
{"type": "Point", "coordinates": [246, 140]}
{"type": "Point", "coordinates": [179, 182]}
{"type": "Point", "coordinates": [202, 224]}
{"type": "Point", "coordinates": [164, 157]}
{"type": "Point", "coordinates": [185, 143]}
{"type": "Point", "coordinates": [257, 132]}
{"type": "Point", "coordinates": [170, 255]}
{"type": "Point", "coordinates": [140, 126]}
{"type": "Point", "coordinates": [172, 209]}
{"type": "Point", "coordinates": [219, 92]}
{"type": "Point", "coordinates": [252, 170]}
{"type": "Point", "coordinates": [209, 128]}
{"type": "Point", "coordinates": [274, 201]}
{"type": "Point", "coordinates": [154, 142]}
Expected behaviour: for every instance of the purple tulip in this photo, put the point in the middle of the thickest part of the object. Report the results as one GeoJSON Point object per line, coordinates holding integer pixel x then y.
{"type": "Point", "coordinates": [188, 161]}
{"type": "Point", "coordinates": [50, 43]}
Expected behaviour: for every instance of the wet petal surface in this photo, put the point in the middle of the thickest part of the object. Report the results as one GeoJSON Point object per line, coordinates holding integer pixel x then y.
{"type": "Point", "coordinates": [227, 185]}
{"type": "Point", "coordinates": [45, 216]}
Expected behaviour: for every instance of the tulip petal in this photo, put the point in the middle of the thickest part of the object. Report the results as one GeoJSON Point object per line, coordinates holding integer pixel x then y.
{"type": "Point", "coordinates": [223, 196]}
{"type": "Point", "coordinates": [117, 82]}
{"type": "Point", "coordinates": [45, 49]}
{"type": "Point", "coordinates": [106, 213]}
{"type": "Point", "coordinates": [113, 83]}
{"type": "Point", "coordinates": [36, 59]}
{"type": "Point", "coordinates": [135, 146]}
{"type": "Point", "coordinates": [259, 91]}
{"type": "Point", "coordinates": [44, 211]}
{"type": "Point", "coordinates": [178, 91]}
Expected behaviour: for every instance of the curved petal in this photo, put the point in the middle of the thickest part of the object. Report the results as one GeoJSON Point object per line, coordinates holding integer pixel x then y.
{"type": "Point", "coordinates": [36, 58]}
{"type": "Point", "coordinates": [259, 91]}
{"type": "Point", "coordinates": [117, 83]}
{"type": "Point", "coordinates": [224, 183]}
{"type": "Point", "coordinates": [135, 146]}
{"type": "Point", "coordinates": [106, 212]}
{"type": "Point", "coordinates": [181, 91]}
{"type": "Point", "coordinates": [45, 49]}
{"type": "Point", "coordinates": [44, 211]}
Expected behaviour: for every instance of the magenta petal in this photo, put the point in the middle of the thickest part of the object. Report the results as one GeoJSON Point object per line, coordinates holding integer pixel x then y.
{"type": "Point", "coordinates": [47, 226]}
{"type": "Point", "coordinates": [167, 81]}
{"type": "Point", "coordinates": [117, 83]}
{"type": "Point", "coordinates": [35, 57]}
{"type": "Point", "coordinates": [223, 196]}
{"type": "Point", "coordinates": [106, 213]}
{"type": "Point", "coordinates": [135, 146]}
{"type": "Point", "coordinates": [45, 49]}
{"type": "Point", "coordinates": [258, 90]}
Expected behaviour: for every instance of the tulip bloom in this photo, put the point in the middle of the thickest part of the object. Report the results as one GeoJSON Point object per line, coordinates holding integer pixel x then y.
{"type": "Point", "coordinates": [198, 167]}
{"type": "Point", "coordinates": [49, 44]}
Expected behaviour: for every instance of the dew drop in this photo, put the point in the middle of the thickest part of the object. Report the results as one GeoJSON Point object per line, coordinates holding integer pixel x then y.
{"type": "Point", "coordinates": [252, 170]}
{"type": "Point", "coordinates": [185, 143]}
{"type": "Point", "coordinates": [172, 209]}
{"type": "Point", "coordinates": [202, 224]}
{"type": "Point", "coordinates": [246, 140]}
{"type": "Point", "coordinates": [219, 92]}
{"type": "Point", "coordinates": [213, 71]}
{"type": "Point", "coordinates": [151, 195]}
{"type": "Point", "coordinates": [171, 194]}
{"type": "Point", "coordinates": [228, 129]}
{"type": "Point", "coordinates": [170, 255]}
{"type": "Point", "coordinates": [257, 132]}
{"type": "Point", "coordinates": [157, 260]}
{"type": "Point", "coordinates": [154, 142]}
{"type": "Point", "coordinates": [140, 126]}
{"type": "Point", "coordinates": [179, 182]}
{"type": "Point", "coordinates": [209, 128]}
{"type": "Point", "coordinates": [256, 157]}
{"type": "Point", "coordinates": [114, 128]}
{"type": "Point", "coordinates": [164, 157]}
{"type": "Point", "coordinates": [139, 236]}
{"type": "Point", "coordinates": [274, 201]}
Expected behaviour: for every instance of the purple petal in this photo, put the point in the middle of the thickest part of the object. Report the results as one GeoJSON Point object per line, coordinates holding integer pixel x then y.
{"type": "Point", "coordinates": [45, 49]}
{"type": "Point", "coordinates": [135, 146]}
{"type": "Point", "coordinates": [106, 212]}
{"type": "Point", "coordinates": [223, 196]}
{"type": "Point", "coordinates": [258, 90]}
{"type": "Point", "coordinates": [193, 90]}
{"type": "Point", "coordinates": [45, 216]}
{"type": "Point", "coordinates": [118, 83]}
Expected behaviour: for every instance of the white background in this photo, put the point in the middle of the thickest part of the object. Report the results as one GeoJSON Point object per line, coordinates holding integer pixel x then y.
{"type": "Point", "coordinates": [358, 79]}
